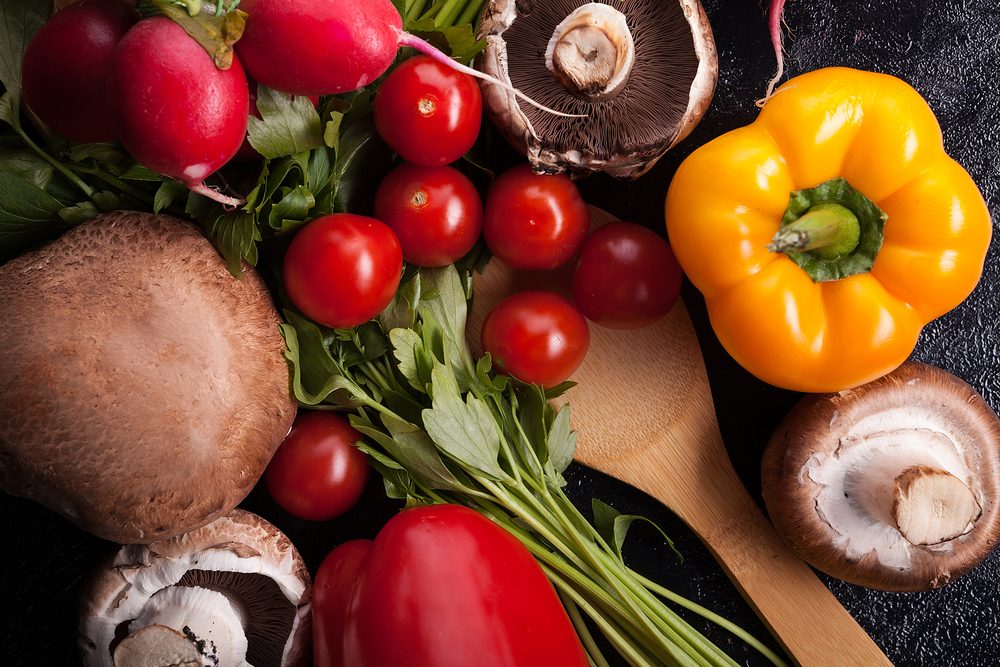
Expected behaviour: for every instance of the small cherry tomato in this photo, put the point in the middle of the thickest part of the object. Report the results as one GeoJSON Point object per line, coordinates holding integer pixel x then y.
{"type": "Point", "coordinates": [342, 270]}
{"type": "Point", "coordinates": [534, 221]}
{"type": "Point", "coordinates": [317, 473]}
{"type": "Point", "coordinates": [626, 277]}
{"type": "Point", "coordinates": [536, 336]}
{"type": "Point", "coordinates": [435, 211]}
{"type": "Point", "coordinates": [428, 113]}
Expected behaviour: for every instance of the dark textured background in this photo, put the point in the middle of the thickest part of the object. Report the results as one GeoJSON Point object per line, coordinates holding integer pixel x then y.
{"type": "Point", "coordinates": [950, 51]}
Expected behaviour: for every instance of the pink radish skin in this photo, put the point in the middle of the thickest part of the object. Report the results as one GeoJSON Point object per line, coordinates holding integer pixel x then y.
{"type": "Point", "coordinates": [176, 112]}
{"type": "Point", "coordinates": [325, 47]}
{"type": "Point", "coordinates": [318, 47]}
{"type": "Point", "coordinates": [774, 14]}
{"type": "Point", "coordinates": [66, 65]}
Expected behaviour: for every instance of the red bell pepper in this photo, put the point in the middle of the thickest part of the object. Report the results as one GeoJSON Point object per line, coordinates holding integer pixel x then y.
{"type": "Point", "coordinates": [440, 586]}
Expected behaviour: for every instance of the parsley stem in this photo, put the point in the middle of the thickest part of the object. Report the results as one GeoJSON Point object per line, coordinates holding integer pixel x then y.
{"type": "Point", "coordinates": [414, 8]}
{"type": "Point", "coordinates": [708, 614]}
{"type": "Point", "coordinates": [471, 14]}
{"type": "Point", "coordinates": [56, 164]}
{"type": "Point", "coordinates": [448, 12]}
{"type": "Point", "coordinates": [594, 654]}
{"type": "Point", "coordinates": [114, 181]}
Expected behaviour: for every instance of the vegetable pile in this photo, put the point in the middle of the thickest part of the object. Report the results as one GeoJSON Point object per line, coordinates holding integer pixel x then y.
{"type": "Point", "coordinates": [374, 312]}
{"type": "Point", "coordinates": [333, 146]}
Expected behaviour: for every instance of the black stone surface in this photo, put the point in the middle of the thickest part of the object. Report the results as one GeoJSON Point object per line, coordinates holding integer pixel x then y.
{"type": "Point", "coordinates": [950, 51]}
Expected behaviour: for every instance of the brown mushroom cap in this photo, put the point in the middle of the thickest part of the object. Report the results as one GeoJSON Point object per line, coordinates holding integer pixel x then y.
{"type": "Point", "coordinates": [145, 389]}
{"type": "Point", "coordinates": [239, 555]}
{"type": "Point", "coordinates": [629, 128]}
{"type": "Point", "coordinates": [841, 469]}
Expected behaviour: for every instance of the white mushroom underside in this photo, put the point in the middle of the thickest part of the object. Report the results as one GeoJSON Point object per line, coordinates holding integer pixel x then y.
{"type": "Point", "coordinates": [144, 574]}
{"type": "Point", "coordinates": [207, 618]}
{"type": "Point", "coordinates": [856, 480]}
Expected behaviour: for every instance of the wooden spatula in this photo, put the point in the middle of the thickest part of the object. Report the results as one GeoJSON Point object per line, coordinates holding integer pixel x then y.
{"type": "Point", "coordinates": [644, 414]}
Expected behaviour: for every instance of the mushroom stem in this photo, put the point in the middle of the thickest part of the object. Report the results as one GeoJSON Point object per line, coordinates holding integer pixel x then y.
{"type": "Point", "coordinates": [209, 619]}
{"type": "Point", "coordinates": [591, 51]}
{"type": "Point", "coordinates": [931, 506]}
{"type": "Point", "coordinates": [917, 492]}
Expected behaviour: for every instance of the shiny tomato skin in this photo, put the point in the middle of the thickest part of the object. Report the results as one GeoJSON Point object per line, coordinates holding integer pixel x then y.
{"type": "Point", "coordinates": [537, 337]}
{"type": "Point", "coordinates": [440, 586]}
{"type": "Point", "coordinates": [317, 473]}
{"type": "Point", "coordinates": [435, 211]}
{"type": "Point", "coordinates": [428, 113]}
{"type": "Point", "coordinates": [66, 65]}
{"type": "Point", "coordinates": [626, 277]}
{"type": "Point", "coordinates": [534, 221]}
{"type": "Point", "coordinates": [341, 270]}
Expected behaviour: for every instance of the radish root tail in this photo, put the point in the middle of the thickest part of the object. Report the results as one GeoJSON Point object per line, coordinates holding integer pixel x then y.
{"type": "Point", "coordinates": [428, 49]}
{"type": "Point", "coordinates": [229, 203]}
{"type": "Point", "coordinates": [774, 18]}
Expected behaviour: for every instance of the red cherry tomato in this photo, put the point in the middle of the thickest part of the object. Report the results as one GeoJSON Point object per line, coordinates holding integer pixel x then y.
{"type": "Point", "coordinates": [435, 211]}
{"type": "Point", "coordinates": [626, 277]}
{"type": "Point", "coordinates": [317, 473]}
{"type": "Point", "coordinates": [66, 66]}
{"type": "Point", "coordinates": [537, 337]}
{"type": "Point", "coordinates": [342, 270]}
{"type": "Point", "coordinates": [428, 113]}
{"type": "Point", "coordinates": [534, 221]}
{"type": "Point", "coordinates": [440, 585]}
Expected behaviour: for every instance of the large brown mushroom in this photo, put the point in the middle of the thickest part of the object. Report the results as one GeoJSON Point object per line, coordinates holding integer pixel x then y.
{"type": "Point", "coordinates": [234, 593]}
{"type": "Point", "coordinates": [893, 485]}
{"type": "Point", "coordinates": [640, 73]}
{"type": "Point", "coordinates": [145, 388]}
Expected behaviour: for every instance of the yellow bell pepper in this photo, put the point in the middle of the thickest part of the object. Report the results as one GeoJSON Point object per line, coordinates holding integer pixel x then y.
{"type": "Point", "coordinates": [812, 284]}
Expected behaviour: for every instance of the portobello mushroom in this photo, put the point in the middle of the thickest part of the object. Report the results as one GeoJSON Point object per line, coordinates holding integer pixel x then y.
{"type": "Point", "coordinates": [145, 388]}
{"type": "Point", "coordinates": [639, 74]}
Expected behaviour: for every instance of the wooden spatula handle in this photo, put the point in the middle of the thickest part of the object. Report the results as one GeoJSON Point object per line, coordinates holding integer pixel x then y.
{"type": "Point", "coordinates": [804, 616]}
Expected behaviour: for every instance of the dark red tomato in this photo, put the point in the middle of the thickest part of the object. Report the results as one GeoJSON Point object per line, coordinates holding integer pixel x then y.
{"type": "Point", "coordinates": [342, 270]}
{"type": "Point", "coordinates": [317, 473]}
{"type": "Point", "coordinates": [428, 113]}
{"type": "Point", "coordinates": [435, 211]}
{"type": "Point", "coordinates": [440, 586]}
{"type": "Point", "coordinates": [66, 65]}
{"type": "Point", "coordinates": [534, 221]}
{"type": "Point", "coordinates": [626, 277]}
{"type": "Point", "coordinates": [537, 337]}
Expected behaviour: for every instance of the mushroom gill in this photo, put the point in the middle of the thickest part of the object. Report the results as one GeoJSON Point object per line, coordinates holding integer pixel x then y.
{"type": "Point", "coordinates": [625, 129]}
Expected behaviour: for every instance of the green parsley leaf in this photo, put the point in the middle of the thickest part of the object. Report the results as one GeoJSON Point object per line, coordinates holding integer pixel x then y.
{"type": "Point", "coordinates": [288, 124]}
{"type": "Point", "coordinates": [465, 431]}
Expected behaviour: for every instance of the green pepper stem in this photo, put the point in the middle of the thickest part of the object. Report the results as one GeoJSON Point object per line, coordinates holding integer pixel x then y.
{"type": "Point", "coordinates": [827, 230]}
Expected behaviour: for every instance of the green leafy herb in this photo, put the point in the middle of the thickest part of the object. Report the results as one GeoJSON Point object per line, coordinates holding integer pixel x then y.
{"type": "Point", "coordinates": [457, 41]}
{"type": "Point", "coordinates": [442, 429]}
{"type": "Point", "coordinates": [288, 124]}
{"type": "Point", "coordinates": [614, 526]}
{"type": "Point", "coordinates": [28, 214]}
{"type": "Point", "coordinates": [19, 21]}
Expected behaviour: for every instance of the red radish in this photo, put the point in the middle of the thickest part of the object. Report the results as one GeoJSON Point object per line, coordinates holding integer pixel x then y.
{"type": "Point", "coordinates": [324, 47]}
{"type": "Point", "coordinates": [176, 112]}
{"type": "Point", "coordinates": [774, 14]}
{"type": "Point", "coordinates": [66, 66]}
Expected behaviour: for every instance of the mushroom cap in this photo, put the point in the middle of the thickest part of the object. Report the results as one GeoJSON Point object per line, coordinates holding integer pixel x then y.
{"type": "Point", "coordinates": [916, 398]}
{"type": "Point", "coordinates": [240, 543]}
{"type": "Point", "coordinates": [145, 388]}
{"type": "Point", "coordinates": [668, 91]}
